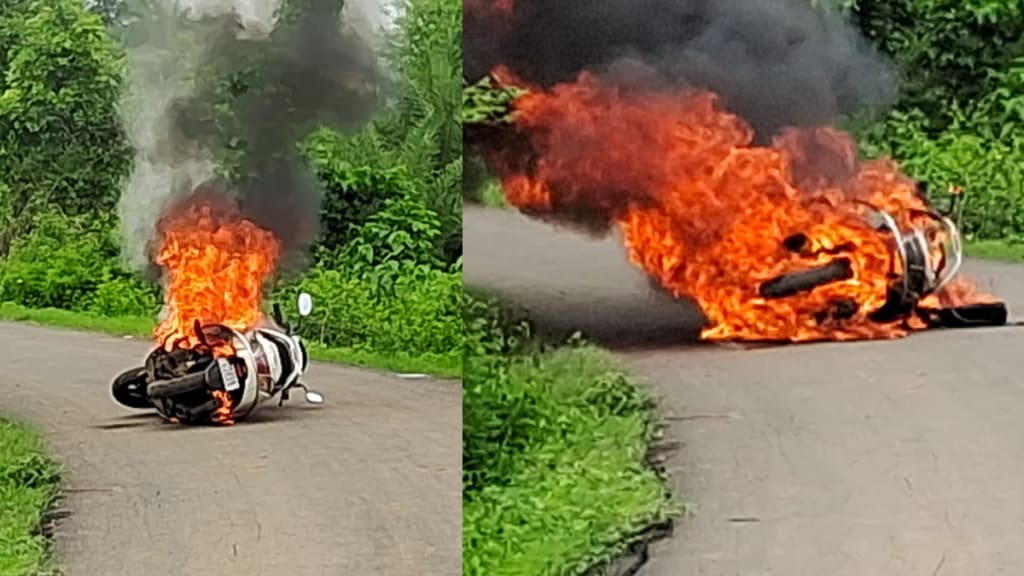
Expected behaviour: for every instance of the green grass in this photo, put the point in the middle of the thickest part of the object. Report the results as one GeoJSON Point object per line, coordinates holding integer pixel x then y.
{"type": "Point", "coordinates": [28, 485]}
{"type": "Point", "coordinates": [448, 366]}
{"type": "Point", "coordinates": [1005, 250]}
{"type": "Point", "coordinates": [555, 479]}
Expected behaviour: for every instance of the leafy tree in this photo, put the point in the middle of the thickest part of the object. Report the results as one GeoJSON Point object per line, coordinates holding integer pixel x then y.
{"type": "Point", "coordinates": [61, 143]}
{"type": "Point", "coordinates": [960, 121]}
{"type": "Point", "coordinates": [422, 132]}
{"type": "Point", "coordinates": [952, 53]}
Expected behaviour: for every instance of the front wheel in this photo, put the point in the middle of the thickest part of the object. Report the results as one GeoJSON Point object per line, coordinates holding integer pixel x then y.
{"type": "Point", "coordinates": [129, 389]}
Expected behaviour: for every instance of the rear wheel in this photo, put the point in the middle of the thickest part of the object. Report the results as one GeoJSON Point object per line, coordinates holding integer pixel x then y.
{"type": "Point", "coordinates": [129, 389]}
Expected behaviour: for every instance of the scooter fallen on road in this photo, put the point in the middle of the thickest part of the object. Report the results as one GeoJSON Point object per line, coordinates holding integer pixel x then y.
{"type": "Point", "coordinates": [223, 378]}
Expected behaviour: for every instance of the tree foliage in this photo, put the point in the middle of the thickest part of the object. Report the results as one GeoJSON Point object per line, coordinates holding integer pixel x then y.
{"type": "Point", "coordinates": [61, 143]}
{"type": "Point", "coordinates": [960, 121]}
{"type": "Point", "coordinates": [421, 134]}
{"type": "Point", "coordinates": [952, 54]}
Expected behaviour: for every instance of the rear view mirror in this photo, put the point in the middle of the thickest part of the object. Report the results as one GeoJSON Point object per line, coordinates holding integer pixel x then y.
{"type": "Point", "coordinates": [305, 304]}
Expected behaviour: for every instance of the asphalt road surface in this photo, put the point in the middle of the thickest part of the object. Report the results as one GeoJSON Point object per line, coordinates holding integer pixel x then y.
{"type": "Point", "coordinates": [860, 459]}
{"type": "Point", "coordinates": [368, 483]}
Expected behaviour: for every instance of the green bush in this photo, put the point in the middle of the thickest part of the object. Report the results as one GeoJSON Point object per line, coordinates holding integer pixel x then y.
{"type": "Point", "coordinates": [60, 264]}
{"type": "Point", "coordinates": [960, 120]}
{"type": "Point", "coordinates": [402, 233]}
{"type": "Point", "coordinates": [504, 404]}
{"type": "Point", "coordinates": [124, 296]}
{"type": "Point", "coordinates": [28, 484]}
{"type": "Point", "coordinates": [949, 52]}
{"type": "Point", "coordinates": [363, 179]}
{"type": "Point", "coordinates": [425, 130]}
{"type": "Point", "coordinates": [378, 207]}
{"type": "Point", "coordinates": [413, 311]}
{"type": "Point", "coordinates": [354, 191]}
{"type": "Point", "coordinates": [554, 442]}
{"type": "Point", "coordinates": [490, 330]}
{"type": "Point", "coordinates": [988, 168]}
{"type": "Point", "coordinates": [61, 143]}
{"type": "Point", "coordinates": [412, 149]}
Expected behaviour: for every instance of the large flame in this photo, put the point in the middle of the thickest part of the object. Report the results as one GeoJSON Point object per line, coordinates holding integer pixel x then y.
{"type": "Point", "coordinates": [215, 264]}
{"type": "Point", "coordinates": [706, 212]}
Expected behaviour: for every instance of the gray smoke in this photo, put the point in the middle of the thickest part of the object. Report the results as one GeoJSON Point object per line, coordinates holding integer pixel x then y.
{"type": "Point", "coordinates": [776, 63]}
{"type": "Point", "coordinates": [286, 78]}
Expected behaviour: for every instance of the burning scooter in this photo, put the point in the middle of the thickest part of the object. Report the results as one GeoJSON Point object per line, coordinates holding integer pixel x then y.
{"type": "Point", "coordinates": [927, 258]}
{"type": "Point", "coordinates": [223, 378]}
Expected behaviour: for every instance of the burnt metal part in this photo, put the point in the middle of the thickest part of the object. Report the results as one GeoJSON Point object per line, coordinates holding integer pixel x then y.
{"type": "Point", "coordinates": [838, 310]}
{"type": "Point", "coordinates": [181, 380]}
{"type": "Point", "coordinates": [898, 304]}
{"type": "Point", "coordinates": [917, 274]}
{"type": "Point", "coordinates": [208, 379]}
{"type": "Point", "coordinates": [970, 315]}
{"type": "Point", "coordinates": [190, 414]}
{"type": "Point", "coordinates": [164, 365]}
{"type": "Point", "coordinates": [796, 242]}
{"type": "Point", "coordinates": [805, 280]}
{"type": "Point", "coordinates": [799, 243]}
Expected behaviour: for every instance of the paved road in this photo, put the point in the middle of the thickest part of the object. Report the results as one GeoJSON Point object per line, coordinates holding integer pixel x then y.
{"type": "Point", "coordinates": [879, 458]}
{"type": "Point", "coordinates": [369, 483]}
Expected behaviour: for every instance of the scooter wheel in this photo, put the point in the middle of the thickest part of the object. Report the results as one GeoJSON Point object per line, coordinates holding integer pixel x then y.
{"type": "Point", "coordinates": [129, 389]}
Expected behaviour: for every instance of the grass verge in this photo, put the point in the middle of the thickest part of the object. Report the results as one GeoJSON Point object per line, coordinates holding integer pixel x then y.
{"type": "Point", "coordinates": [1005, 250]}
{"type": "Point", "coordinates": [28, 484]}
{"type": "Point", "coordinates": [447, 365]}
{"type": "Point", "coordinates": [555, 444]}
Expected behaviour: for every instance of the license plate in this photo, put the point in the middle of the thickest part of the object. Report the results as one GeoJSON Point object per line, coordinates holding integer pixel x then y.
{"type": "Point", "coordinates": [228, 374]}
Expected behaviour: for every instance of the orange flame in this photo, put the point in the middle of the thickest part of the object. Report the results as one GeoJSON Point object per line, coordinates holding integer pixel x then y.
{"type": "Point", "coordinates": [705, 211]}
{"type": "Point", "coordinates": [223, 413]}
{"type": "Point", "coordinates": [215, 263]}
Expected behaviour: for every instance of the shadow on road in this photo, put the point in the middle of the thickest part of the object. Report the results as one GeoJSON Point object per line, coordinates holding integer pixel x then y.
{"type": "Point", "coordinates": [626, 321]}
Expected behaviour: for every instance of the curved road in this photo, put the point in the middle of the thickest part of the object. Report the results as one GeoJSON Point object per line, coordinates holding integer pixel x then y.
{"type": "Point", "coordinates": [368, 483]}
{"type": "Point", "coordinates": [873, 458]}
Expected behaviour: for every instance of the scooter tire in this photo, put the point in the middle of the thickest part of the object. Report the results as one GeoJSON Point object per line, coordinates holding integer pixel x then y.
{"type": "Point", "coordinates": [129, 389]}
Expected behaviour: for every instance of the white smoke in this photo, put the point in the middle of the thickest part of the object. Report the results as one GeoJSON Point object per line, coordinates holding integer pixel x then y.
{"type": "Point", "coordinates": [252, 13]}
{"type": "Point", "coordinates": [159, 72]}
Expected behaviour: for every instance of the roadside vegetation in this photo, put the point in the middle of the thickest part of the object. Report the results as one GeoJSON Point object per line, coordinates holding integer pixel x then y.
{"type": "Point", "coordinates": [959, 123]}
{"type": "Point", "coordinates": [386, 271]}
{"type": "Point", "coordinates": [28, 485]}
{"type": "Point", "coordinates": [1011, 250]}
{"type": "Point", "coordinates": [556, 436]}
{"type": "Point", "coordinates": [555, 445]}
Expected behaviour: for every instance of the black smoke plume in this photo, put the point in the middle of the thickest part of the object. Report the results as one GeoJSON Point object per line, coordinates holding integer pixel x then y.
{"type": "Point", "coordinates": [283, 75]}
{"type": "Point", "coordinates": [775, 63]}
